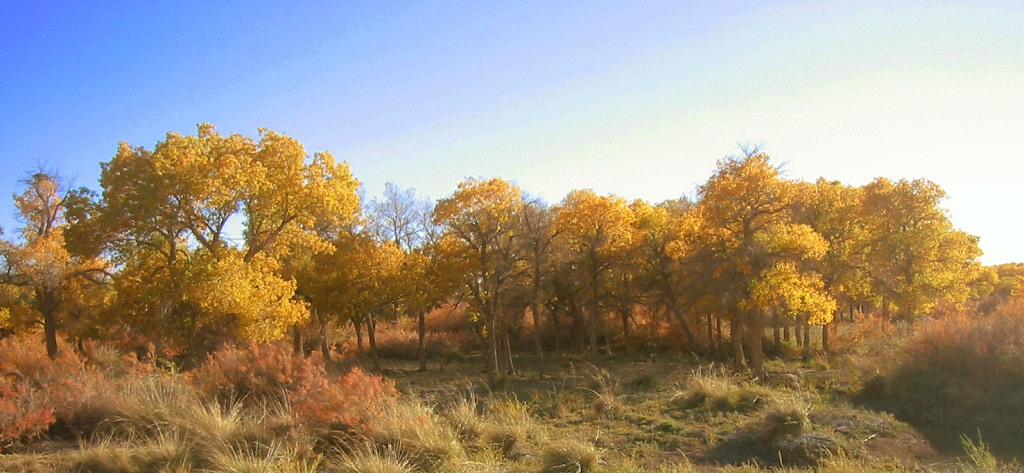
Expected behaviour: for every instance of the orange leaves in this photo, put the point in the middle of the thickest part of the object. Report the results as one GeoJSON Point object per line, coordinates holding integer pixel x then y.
{"type": "Point", "coordinates": [479, 210]}
{"type": "Point", "coordinates": [593, 223]}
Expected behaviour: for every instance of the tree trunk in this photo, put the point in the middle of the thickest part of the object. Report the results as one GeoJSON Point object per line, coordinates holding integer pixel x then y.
{"type": "Point", "coordinates": [807, 340]}
{"type": "Point", "coordinates": [325, 347]}
{"type": "Point", "coordinates": [776, 333]}
{"type": "Point", "coordinates": [371, 332]}
{"type": "Point", "coordinates": [825, 338]}
{"type": "Point", "coordinates": [296, 340]}
{"type": "Point", "coordinates": [718, 337]}
{"type": "Point", "coordinates": [556, 323]}
{"type": "Point", "coordinates": [579, 328]}
{"type": "Point", "coordinates": [535, 309]}
{"type": "Point", "coordinates": [595, 311]}
{"type": "Point", "coordinates": [422, 347]}
{"type": "Point", "coordinates": [786, 332]}
{"type": "Point", "coordinates": [607, 341]}
{"type": "Point", "coordinates": [491, 357]}
{"type": "Point", "coordinates": [592, 329]}
{"type": "Point", "coordinates": [711, 332]}
{"type": "Point", "coordinates": [755, 329]}
{"type": "Point", "coordinates": [736, 333]}
{"type": "Point", "coordinates": [358, 324]}
{"type": "Point", "coordinates": [691, 341]}
{"type": "Point", "coordinates": [50, 334]}
{"type": "Point", "coordinates": [508, 354]}
{"type": "Point", "coordinates": [49, 307]}
{"type": "Point", "coordinates": [625, 330]}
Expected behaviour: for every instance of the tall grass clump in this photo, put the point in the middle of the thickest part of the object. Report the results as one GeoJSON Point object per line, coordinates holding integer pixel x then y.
{"type": "Point", "coordinates": [416, 434]}
{"type": "Point", "coordinates": [464, 416]}
{"type": "Point", "coordinates": [509, 425]}
{"type": "Point", "coordinates": [375, 461]}
{"type": "Point", "coordinates": [605, 392]}
{"type": "Point", "coordinates": [570, 456]}
{"type": "Point", "coordinates": [721, 392]}
{"type": "Point", "coordinates": [784, 421]}
{"type": "Point", "coordinates": [981, 460]}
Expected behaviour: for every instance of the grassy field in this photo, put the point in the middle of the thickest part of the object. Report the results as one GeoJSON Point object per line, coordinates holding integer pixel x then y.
{"type": "Point", "coordinates": [259, 409]}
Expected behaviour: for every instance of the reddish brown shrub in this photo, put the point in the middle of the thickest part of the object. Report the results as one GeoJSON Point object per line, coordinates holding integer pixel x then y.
{"type": "Point", "coordinates": [37, 394]}
{"type": "Point", "coordinates": [271, 373]}
{"type": "Point", "coordinates": [959, 368]}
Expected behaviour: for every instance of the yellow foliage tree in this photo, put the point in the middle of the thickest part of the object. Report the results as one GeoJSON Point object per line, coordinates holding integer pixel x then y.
{"type": "Point", "coordinates": [480, 224]}
{"type": "Point", "coordinates": [164, 215]}
{"type": "Point", "coordinates": [598, 230]}
{"type": "Point", "coordinates": [743, 230]}
{"type": "Point", "coordinates": [42, 278]}
{"type": "Point", "coordinates": [914, 256]}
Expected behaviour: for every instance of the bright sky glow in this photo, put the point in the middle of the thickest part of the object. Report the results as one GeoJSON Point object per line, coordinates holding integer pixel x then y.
{"type": "Point", "coordinates": [634, 98]}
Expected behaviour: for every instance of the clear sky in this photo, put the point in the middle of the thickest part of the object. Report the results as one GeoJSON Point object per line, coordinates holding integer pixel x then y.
{"type": "Point", "coordinates": [636, 98]}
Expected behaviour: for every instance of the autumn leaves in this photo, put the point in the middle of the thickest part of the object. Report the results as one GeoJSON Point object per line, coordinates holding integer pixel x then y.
{"type": "Point", "coordinates": [154, 253]}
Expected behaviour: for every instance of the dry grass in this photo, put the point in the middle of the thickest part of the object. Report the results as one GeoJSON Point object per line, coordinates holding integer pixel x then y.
{"type": "Point", "coordinates": [375, 461]}
{"type": "Point", "coordinates": [723, 392]}
{"type": "Point", "coordinates": [570, 457]}
{"type": "Point", "coordinates": [463, 416]}
{"type": "Point", "coordinates": [786, 420]}
{"type": "Point", "coordinates": [418, 435]}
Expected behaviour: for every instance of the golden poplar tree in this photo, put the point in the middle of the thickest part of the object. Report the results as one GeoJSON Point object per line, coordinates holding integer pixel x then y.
{"type": "Point", "coordinates": [42, 278]}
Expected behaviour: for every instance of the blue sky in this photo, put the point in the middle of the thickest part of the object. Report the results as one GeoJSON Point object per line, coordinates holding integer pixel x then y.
{"type": "Point", "coordinates": [635, 98]}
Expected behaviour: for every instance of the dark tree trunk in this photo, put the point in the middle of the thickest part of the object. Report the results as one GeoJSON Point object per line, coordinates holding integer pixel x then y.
{"type": "Point", "coordinates": [691, 341]}
{"type": "Point", "coordinates": [607, 341]}
{"type": "Point", "coordinates": [535, 309]}
{"type": "Point", "coordinates": [711, 332]}
{"type": "Point", "coordinates": [755, 329]}
{"type": "Point", "coordinates": [49, 308]}
{"type": "Point", "coordinates": [491, 357]}
{"type": "Point", "coordinates": [50, 334]}
{"type": "Point", "coordinates": [296, 340]}
{"type": "Point", "coordinates": [626, 315]}
{"type": "Point", "coordinates": [371, 332]}
{"type": "Point", "coordinates": [508, 354]}
{"type": "Point", "coordinates": [776, 333]}
{"type": "Point", "coordinates": [595, 311]}
{"type": "Point", "coordinates": [807, 339]}
{"type": "Point", "coordinates": [579, 334]}
{"type": "Point", "coordinates": [358, 324]}
{"type": "Point", "coordinates": [556, 323]}
{"type": "Point", "coordinates": [825, 344]}
{"type": "Point", "coordinates": [422, 347]}
{"type": "Point", "coordinates": [592, 329]}
{"type": "Point", "coordinates": [325, 347]}
{"type": "Point", "coordinates": [786, 332]}
{"type": "Point", "coordinates": [718, 330]}
{"type": "Point", "coordinates": [736, 333]}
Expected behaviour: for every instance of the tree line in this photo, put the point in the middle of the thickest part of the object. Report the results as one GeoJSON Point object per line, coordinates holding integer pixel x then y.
{"type": "Point", "coordinates": [153, 254]}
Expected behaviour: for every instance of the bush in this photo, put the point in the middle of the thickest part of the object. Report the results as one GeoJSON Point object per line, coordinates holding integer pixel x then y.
{"type": "Point", "coordinates": [272, 374]}
{"type": "Point", "coordinates": [37, 394]}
